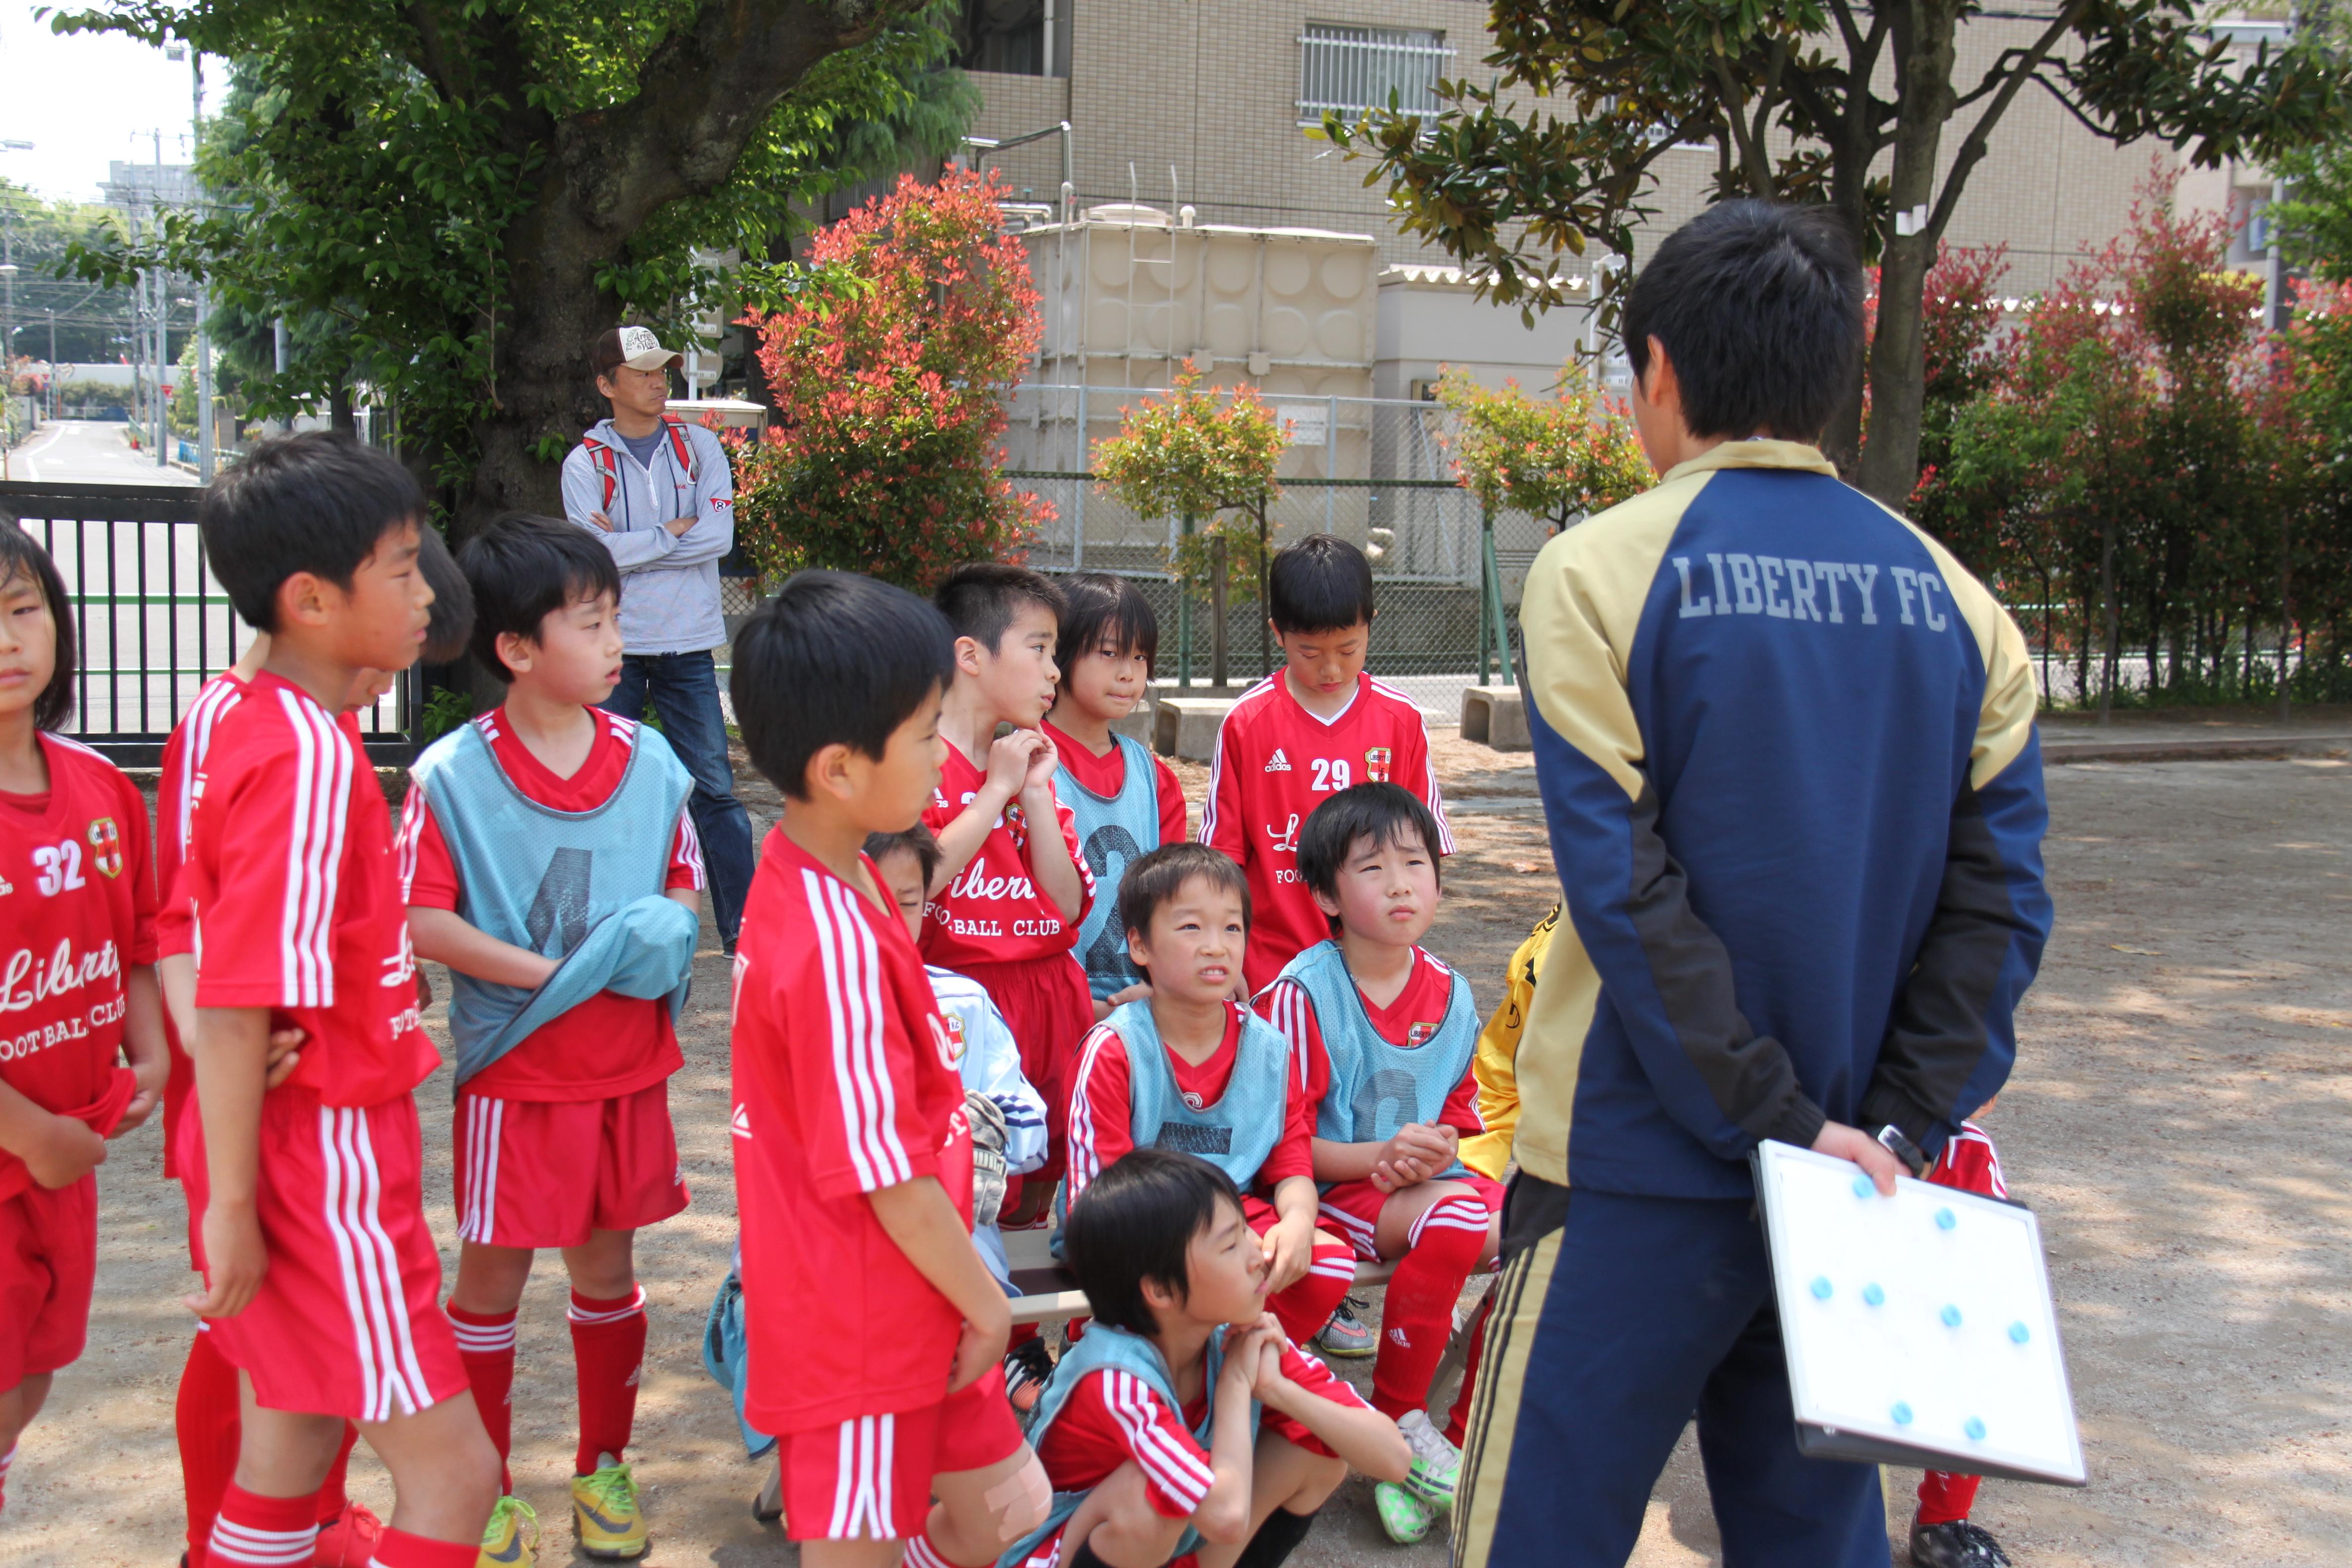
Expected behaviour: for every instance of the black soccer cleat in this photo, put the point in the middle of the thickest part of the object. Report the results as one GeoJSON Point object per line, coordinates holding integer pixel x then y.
{"type": "Point", "coordinates": [1959, 1545]}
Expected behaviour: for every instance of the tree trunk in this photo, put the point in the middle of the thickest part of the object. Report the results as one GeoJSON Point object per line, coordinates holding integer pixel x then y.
{"type": "Point", "coordinates": [2107, 612]}
{"type": "Point", "coordinates": [1217, 613]}
{"type": "Point", "coordinates": [704, 92]}
{"type": "Point", "coordinates": [1924, 34]}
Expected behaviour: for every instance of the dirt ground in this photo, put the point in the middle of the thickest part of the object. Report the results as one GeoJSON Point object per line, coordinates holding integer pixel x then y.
{"type": "Point", "coordinates": [2179, 1118]}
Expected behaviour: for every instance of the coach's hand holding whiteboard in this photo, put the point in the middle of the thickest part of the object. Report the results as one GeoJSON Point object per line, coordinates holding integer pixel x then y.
{"type": "Point", "coordinates": [1917, 1319]}
{"type": "Point", "coordinates": [1843, 1143]}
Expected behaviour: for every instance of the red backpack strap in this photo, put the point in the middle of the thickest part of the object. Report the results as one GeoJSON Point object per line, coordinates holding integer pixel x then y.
{"type": "Point", "coordinates": [679, 445]}
{"type": "Point", "coordinates": [607, 466]}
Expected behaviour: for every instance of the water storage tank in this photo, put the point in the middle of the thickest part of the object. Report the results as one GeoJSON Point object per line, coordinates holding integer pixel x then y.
{"type": "Point", "coordinates": [1129, 292]}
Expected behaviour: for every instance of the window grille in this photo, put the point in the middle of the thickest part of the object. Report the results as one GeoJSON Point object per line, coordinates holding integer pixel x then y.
{"type": "Point", "coordinates": [1349, 70]}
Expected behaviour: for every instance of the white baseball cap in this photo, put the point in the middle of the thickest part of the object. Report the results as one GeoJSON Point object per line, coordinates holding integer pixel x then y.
{"type": "Point", "coordinates": [635, 347]}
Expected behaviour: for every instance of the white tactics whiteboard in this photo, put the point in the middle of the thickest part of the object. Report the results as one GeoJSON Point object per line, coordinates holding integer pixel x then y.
{"type": "Point", "coordinates": [1919, 1327]}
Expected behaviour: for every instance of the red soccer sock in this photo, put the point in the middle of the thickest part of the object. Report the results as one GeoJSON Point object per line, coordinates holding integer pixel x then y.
{"type": "Point", "coordinates": [398, 1549]}
{"type": "Point", "coordinates": [486, 1345]}
{"type": "Point", "coordinates": [608, 1348]}
{"type": "Point", "coordinates": [1945, 1498]}
{"type": "Point", "coordinates": [1457, 1421]}
{"type": "Point", "coordinates": [256, 1531]}
{"type": "Point", "coordinates": [1307, 1303]}
{"type": "Point", "coordinates": [6, 1459]}
{"type": "Point", "coordinates": [1419, 1313]}
{"type": "Point", "coordinates": [204, 1416]}
{"type": "Point", "coordinates": [331, 1494]}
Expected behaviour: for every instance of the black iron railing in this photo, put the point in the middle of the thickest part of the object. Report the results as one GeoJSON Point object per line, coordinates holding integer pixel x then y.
{"type": "Point", "coordinates": [151, 623]}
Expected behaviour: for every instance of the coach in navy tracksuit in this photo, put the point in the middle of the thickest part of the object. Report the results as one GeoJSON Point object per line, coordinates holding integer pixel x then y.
{"type": "Point", "coordinates": [1787, 751]}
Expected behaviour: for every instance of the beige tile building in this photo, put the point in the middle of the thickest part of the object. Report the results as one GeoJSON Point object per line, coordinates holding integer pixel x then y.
{"type": "Point", "coordinates": [1203, 102]}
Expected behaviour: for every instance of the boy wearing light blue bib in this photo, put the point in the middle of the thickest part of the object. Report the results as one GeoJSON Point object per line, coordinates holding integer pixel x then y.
{"type": "Point", "coordinates": [1185, 1420]}
{"type": "Point", "coordinates": [1385, 1036]}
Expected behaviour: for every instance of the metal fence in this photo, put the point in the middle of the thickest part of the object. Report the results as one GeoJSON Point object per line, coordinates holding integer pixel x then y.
{"type": "Point", "coordinates": [152, 621]}
{"type": "Point", "coordinates": [1375, 471]}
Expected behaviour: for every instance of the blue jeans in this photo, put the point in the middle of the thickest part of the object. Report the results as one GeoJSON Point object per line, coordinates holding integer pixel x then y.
{"type": "Point", "coordinates": [684, 688]}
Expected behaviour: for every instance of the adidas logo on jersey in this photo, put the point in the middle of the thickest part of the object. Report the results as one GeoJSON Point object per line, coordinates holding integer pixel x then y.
{"type": "Point", "coordinates": [1278, 764]}
{"type": "Point", "coordinates": [740, 1124]}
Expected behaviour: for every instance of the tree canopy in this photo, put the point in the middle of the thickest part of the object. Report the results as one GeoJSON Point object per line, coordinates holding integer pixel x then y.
{"type": "Point", "coordinates": [451, 198]}
{"type": "Point", "coordinates": [1822, 101]}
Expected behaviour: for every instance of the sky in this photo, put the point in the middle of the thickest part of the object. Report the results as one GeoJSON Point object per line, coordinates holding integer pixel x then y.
{"type": "Point", "coordinates": [87, 98]}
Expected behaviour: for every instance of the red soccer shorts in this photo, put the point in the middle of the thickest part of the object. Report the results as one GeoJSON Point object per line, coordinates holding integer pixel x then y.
{"type": "Point", "coordinates": [534, 1172]}
{"type": "Point", "coordinates": [870, 1476]}
{"type": "Point", "coordinates": [1049, 1009]}
{"type": "Point", "coordinates": [48, 1260]}
{"type": "Point", "coordinates": [347, 1320]}
{"type": "Point", "coordinates": [1353, 1209]}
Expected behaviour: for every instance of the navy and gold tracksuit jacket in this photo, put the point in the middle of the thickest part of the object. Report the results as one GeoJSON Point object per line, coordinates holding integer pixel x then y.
{"type": "Point", "coordinates": [1786, 746]}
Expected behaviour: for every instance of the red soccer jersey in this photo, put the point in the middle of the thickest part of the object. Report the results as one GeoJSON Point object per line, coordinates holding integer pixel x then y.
{"type": "Point", "coordinates": [290, 881]}
{"type": "Point", "coordinates": [993, 912]}
{"type": "Point", "coordinates": [1113, 1416]}
{"type": "Point", "coordinates": [77, 912]}
{"type": "Point", "coordinates": [177, 790]}
{"type": "Point", "coordinates": [1106, 776]}
{"type": "Point", "coordinates": [845, 1083]}
{"type": "Point", "coordinates": [1971, 1163]}
{"type": "Point", "coordinates": [610, 1045]}
{"type": "Point", "coordinates": [1102, 1115]}
{"type": "Point", "coordinates": [1274, 764]}
{"type": "Point", "coordinates": [1412, 1019]}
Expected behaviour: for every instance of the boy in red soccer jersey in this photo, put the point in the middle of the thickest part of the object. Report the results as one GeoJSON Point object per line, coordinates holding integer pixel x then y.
{"type": "Point", "coordinates": [321, 1277]}
{"type": "Point", "coordinates": [1385, 1037]}
{"type": "Point", "coordinates": [1188, 1067]}
{"type": "Point", "coordinates": [524, 832]}
{"type": "Point", "coordinates": [204, 1409]}
{"type": "Point", "coordinates": [1011, 886]}
{"type": "Point", "coordinates": [1185, 1424]}
{"type": "Point", "coordinates": [1313, 728]}
{"type": "Point", "coordinates": [77, 993]}
{"type": "Point", "coordinates": [872, 1328]}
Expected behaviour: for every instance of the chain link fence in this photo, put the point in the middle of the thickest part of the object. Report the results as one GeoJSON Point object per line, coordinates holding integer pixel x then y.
{"type": "Point", "coordinates": [1373, 470]}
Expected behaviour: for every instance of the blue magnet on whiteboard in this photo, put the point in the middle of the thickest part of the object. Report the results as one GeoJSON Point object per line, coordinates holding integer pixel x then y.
{"type": "Point", "coordinates": [1902, 1413]}
{"type": "Point", "coordinates": [1871, 1296]}
{"type": "Point", "coordinates": [2018, 1334]}
{"type": "Point", "coordinates": [1945, 1219]}
{"type": "Point", "coordinates": [1821, 1288]}
{"type": "Point", "coordinates": [1975, 1428]}
{"type": "Point", "coordinates": [1951, 1316]}
{"type": "Point", "coordinates": [1862, 1188]}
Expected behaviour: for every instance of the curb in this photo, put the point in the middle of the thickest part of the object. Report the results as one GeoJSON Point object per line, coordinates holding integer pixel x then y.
{"type": "Point", "coordinates": [2244, 748]}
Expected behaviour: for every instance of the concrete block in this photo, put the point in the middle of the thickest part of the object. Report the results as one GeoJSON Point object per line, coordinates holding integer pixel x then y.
{"type": "Point", "coordinates": [1138, 724]}
{"type": "Point", "coordinates": [1186, 727]}
{"type": "Point", "coordinates": [1495, 715]}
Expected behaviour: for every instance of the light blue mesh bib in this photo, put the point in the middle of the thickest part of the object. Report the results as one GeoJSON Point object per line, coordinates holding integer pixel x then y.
{"type": "Point", "coordinates": [1238, 1133]}
{"type": "Point", "coordinates": [538, 878]}
{"type": "Point", "coordinates": [1377, 1088]}
{"type": "Point", "coordinates": [1105, 1349]}
{"type": "Point", "coordinates": [1113, 834]}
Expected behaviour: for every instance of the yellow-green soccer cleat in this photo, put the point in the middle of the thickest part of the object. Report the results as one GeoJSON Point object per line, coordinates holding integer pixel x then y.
{"type": "Point", "coordinates": [511, 1538]}
{"type": "Point", "coordinates": [606, 1515]}
{"type": "Point", "coordinates": [1404, 1516]}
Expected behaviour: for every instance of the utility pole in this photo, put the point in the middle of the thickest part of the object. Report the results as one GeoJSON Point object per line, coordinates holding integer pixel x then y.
{"type": "Point", "coordinates": [205, 456]}
{"type": "Point", "coordinates": [53, 365]}
{"type": "Point", "coordinates": [162, 317]}
{"type": "Point", "coordinates": [278, 331]}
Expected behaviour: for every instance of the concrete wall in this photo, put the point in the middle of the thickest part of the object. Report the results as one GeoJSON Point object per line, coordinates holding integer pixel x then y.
{"type": "Point", "coordinates": [1429, 319]}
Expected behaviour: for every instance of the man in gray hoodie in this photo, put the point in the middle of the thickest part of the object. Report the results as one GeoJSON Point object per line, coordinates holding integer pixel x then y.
{"type": "Point", "coordinates": [660, 495]}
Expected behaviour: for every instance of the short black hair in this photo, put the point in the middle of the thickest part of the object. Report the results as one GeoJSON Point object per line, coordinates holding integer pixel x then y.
{"type": "Point", "coordinates": [834, 658]}
{"type": "Point", "coordinates": [522, 569]}
{"type": "Point", "coordinates": [1321, 584]}
{"type": "Point", "coordinates": [1135, 1221]}
{"type": "Point", "coordinates": [918, 841]}
{"type": "Point", "coordinates": [981, 600]}
{"type": "Point", "coordinates": [449, 628]}
{"type": "Point", "coordinates": [1759, 305]}
{"type": "Point", "coordinates": [1384, 812]}
{"type": "Point", "coordinates": [1154, 878]}
{"type": "Point", "coordinates": [21, 555]}
{"type": "Point", "coordinates": [318, 502]}
{"type": "Point", "coordinates": [1097, 607]}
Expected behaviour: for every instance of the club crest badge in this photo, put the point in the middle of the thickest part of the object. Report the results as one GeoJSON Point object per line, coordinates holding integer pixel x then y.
{"type": "Point", "coordinates": [956, 1044]}
{"type": "Point", "coordinates": [950, 1049]}
{"type": "Point", "coordinates": [1376, 764]}
{"type": "Point", "coordinates": [106, 847]}
{"type": "Point", "coordinates": [1419, 1034]}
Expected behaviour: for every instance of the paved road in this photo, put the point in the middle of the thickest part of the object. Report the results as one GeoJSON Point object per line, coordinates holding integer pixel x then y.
{"type": "Point", "coordinates": [88, 452]}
